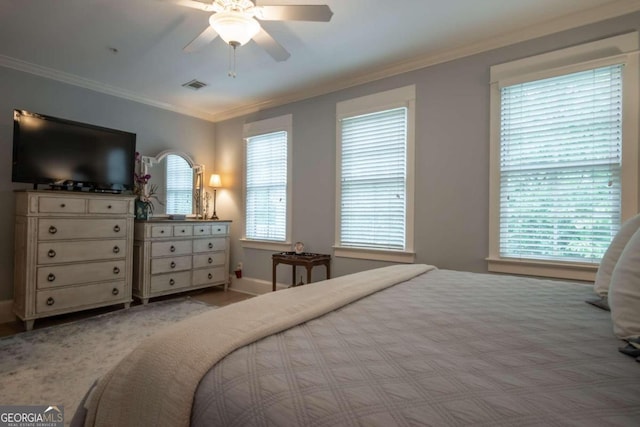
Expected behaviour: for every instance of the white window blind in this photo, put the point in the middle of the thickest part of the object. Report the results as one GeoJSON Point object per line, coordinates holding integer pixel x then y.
{"type": "Point", "coordinates": [560, 166]}
{"type": "Point", "coordinates": [373, 180]}
{"type": "Point", "coordinates": [266, 187]}
{"type": "Point", "coordinates": [180, 186]}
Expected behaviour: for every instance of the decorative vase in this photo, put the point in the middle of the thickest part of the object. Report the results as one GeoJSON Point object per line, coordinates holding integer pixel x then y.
{"type": "Point", "coordinates": [142, 209]}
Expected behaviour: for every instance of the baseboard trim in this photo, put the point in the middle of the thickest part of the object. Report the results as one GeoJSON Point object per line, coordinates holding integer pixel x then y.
{"type": "Point", "coordinates": [252, 286]}
{"type": "Point", "coordinates": [6, 311]}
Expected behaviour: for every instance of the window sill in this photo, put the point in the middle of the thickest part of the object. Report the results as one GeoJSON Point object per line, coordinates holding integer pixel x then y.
{"type": "Point", "coordinates": [374, 254]}
{"type": "Point", "coordinates": [556, 270]}
{"type": "Point", "coordinates": [266, 245]}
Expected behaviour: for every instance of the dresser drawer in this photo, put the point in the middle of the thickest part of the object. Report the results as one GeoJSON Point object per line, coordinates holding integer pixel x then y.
{"type": "Point", "coordinates": [58, 252]}
{"type": "Point", "coordinates": [61, 228]}
{"type": "Point", "coordinates": [180, 247]}
{"type": "Point", "coordinates": [209, 275]}
{"type": "Point", "coordinates": [165, 282]}
{"type": "Point", "coordinates": [209, 260]}
{"type": "Point", "coordinates": [108, 206]}
{"type": "Point", "coordinates": [162, 231]}
{"type": "Point", "coordinates": [208, 245]}
{"type": "Point", "coordinates": [221, 229]}
{"type": "Point", "coordinates": [61, 205]}
{"type": "Point", "coordinates": [77, 297]}
{"type": "Point", "coordinates": [201, 230]}
{"type": "Point", "coordinates": [61, 275]}
{"type": "Point", "coordinates": [182, 230]}
{"type": "Point", "coordinates": [165, 265]}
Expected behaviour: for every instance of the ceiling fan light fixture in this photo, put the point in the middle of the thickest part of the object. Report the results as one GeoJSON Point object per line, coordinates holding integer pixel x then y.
{"type": "Point", "coordinates": [234, 27]}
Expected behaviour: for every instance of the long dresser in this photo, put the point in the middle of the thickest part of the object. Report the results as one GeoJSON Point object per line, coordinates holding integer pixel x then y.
{"type": "Point", "coordinates": [176, 256]}
{"type": "Point", "coordinates": [72, 252]}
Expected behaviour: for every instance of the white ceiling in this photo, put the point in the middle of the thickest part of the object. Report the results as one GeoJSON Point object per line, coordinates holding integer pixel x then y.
{"type": "Point", "coordinates": [70, 40]}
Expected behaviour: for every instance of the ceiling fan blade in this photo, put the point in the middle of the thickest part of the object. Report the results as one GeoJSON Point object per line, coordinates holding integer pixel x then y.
{"type": "Point", "coordinates": [203, 39]}
{"type": "Point", "coordinates": [320, 13]}
{"type": "Point", "coordinates": [273, 48]}
{"type": "Point", "coordinates": [195, 5]}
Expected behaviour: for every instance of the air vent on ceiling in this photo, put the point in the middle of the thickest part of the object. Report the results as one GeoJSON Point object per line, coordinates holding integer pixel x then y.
{"type": "Point", "coordinates": [194, 84]}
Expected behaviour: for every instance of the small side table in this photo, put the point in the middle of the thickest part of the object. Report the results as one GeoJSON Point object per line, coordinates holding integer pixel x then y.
{"type": "Point", "coordinates": [306, 259]}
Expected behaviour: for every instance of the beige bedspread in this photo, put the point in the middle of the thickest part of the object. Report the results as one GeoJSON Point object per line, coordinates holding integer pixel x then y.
{"type": "Point", "coordinates": [156, 383]}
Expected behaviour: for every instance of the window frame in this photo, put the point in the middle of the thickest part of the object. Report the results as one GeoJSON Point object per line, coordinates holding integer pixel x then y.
{"type": "Point", "coordinates": [609, 51]}
{"type": "Point", "coordinates": [277, 124]}
{"type": "Point", "coordinates": [379, 102]}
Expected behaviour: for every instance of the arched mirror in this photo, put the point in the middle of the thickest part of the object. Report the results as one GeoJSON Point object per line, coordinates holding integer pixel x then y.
{"type": "Point", "coordinates": [178, 184]}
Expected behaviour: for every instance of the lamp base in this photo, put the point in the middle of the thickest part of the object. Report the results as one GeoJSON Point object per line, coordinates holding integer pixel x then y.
{"type": "Point", "coordinates": [214, 217]}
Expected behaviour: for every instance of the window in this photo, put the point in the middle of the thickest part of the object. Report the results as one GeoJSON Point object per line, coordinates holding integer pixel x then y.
{"type": "Point", "coordinates": [375, 177]}
{"type": "Point", "coordinates": [180, 186]}
{"type": "Point", "coordinates": [561, 143]}
{"type": "Point", "coordinates": [266, 186]}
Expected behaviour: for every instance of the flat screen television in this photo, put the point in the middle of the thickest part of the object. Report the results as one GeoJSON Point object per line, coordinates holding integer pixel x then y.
{"type": "Point", "coordinates": [71, 155]}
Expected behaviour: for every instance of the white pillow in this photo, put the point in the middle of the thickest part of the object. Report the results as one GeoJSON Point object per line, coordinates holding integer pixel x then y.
{"type": "Point", "coordinates": [624, 293]}
{"type": "Point", "coordinates": [603, 277]}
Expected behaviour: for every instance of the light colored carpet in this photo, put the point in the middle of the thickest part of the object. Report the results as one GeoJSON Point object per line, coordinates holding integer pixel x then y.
{"type": "Point", "coordinates": [58, 364]}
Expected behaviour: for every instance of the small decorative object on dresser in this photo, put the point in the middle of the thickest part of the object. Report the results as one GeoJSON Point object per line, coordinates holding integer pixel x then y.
{"type": "Point", "coordinates": [298, 248]}
{"type": "Point", "coordinates": [72, 252]}
{"type": "Point", "coordinates": [177, 256]}
{"type": "Point", "coordinates": [146, 193]}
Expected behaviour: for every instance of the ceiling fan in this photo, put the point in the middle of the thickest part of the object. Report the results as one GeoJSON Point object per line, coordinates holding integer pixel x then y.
{"type": "Point", "coordinates": [235, 22]}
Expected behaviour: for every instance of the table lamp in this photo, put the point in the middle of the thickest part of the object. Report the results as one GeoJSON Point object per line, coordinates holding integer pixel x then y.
{"type": "Point", "coordinates": [215, 183]}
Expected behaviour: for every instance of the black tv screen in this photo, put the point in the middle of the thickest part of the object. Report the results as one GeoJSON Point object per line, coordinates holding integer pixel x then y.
{"type": "Point", "coordinates": [49, 150]}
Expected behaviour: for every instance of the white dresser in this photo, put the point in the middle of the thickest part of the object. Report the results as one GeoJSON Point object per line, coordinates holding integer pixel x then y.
{"type": "Point", "coordinates": [177, 256]}
{"type": "Point", "coordinates": [73, 251]}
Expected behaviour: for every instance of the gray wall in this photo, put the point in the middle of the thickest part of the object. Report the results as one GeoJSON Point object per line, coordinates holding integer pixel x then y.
{"type": "Point", "coordinates": [452, 153]}
{"type": "Point", "coordinates": [156, 130]}
{"type": "Point", "coordinates": [452, 159]}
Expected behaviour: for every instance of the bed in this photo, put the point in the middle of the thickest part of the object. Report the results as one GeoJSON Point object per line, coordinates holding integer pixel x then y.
{"type": "Point", "coordinates": [402, 345]}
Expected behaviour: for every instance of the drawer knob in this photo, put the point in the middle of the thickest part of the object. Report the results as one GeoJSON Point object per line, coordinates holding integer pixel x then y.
{"type": "Point", "coordinates": [172, 282]}
{"type": "Point", "coordinates": [116, 249]}
{"type": "Point", "coordinates": [172, 248]}
{"type": "Point", "coordinates": [210, 276]}
{"type": "Point", "coordinates": [115, 291]}
{"type": "Point", "coordinates": [182, 231]}
{"type": "Point", "coordinates": [51, 253]}
{"type": "Point", "coordinates": [109, 207]}
{"type": "Point", "coordinates": [219, 229]}
{"type": "Point", "coordinates": [161, 231]}
{"type": "Point", "coordinates": [202, 230]}
{"type": "Point", "coordinates": [62, 205]}
{"type": "Point", "coordinates": [116, 228]}
{"type": "Point", "coordinates": [210, 245]}
{"type": "Point", "coordinates": [53, 230]}
{"type": "Point", "coordinates": [116, 270]}
{"type": "Point", "coordinates": [50, 301]}
{"type": "Point", "coordinates": [210, 260]}
{"type": "Point", "coordinates": [173, 264]}
{"type": "Point", "coordinates": [51, 277]}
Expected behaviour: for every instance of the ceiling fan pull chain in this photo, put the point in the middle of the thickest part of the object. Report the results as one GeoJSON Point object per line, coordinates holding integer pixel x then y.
{"type": "Point", "coordinates": [232, 65]}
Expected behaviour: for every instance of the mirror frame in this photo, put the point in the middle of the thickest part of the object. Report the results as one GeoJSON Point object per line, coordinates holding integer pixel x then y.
{"type": "Point", "coordinates": [147, 162]}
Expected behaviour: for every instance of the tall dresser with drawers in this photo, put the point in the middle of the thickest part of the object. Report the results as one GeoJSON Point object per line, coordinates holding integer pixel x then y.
{"type": "Point", "coordinates": [176, 256]}
{"type": "Point", "coordinates": [73, 251]}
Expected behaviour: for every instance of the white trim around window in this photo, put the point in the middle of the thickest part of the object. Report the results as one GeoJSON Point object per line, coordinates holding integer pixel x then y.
{"type": "Point", "coordinates": [380, 104]}
{"type": "Point", "coordinates": [281, 124]}
{"type": "Point", "coordinates": [621, 49]}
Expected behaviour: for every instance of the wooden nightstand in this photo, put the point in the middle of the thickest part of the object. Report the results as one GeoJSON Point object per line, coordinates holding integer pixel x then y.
{"type": "Point", "coordinates": [305, 259]}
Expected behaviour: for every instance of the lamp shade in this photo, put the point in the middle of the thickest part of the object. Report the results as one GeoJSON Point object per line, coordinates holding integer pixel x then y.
{"type": "Point", "coordinates": [214, 181]}
{"type": "Point", "coordinates": [234, 27]}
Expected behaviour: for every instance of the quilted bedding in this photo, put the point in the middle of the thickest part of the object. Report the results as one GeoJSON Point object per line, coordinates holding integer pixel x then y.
{"type": "Point", "coordinates": [444, 349]}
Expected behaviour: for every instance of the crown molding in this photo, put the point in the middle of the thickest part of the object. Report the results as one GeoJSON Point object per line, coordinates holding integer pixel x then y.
{"type": "Point", "coordinates": [600, 13]}
{"type": "Point", "coordinates": [72, 79]}
{"type": "Point", "coordinates": [590, 16]}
